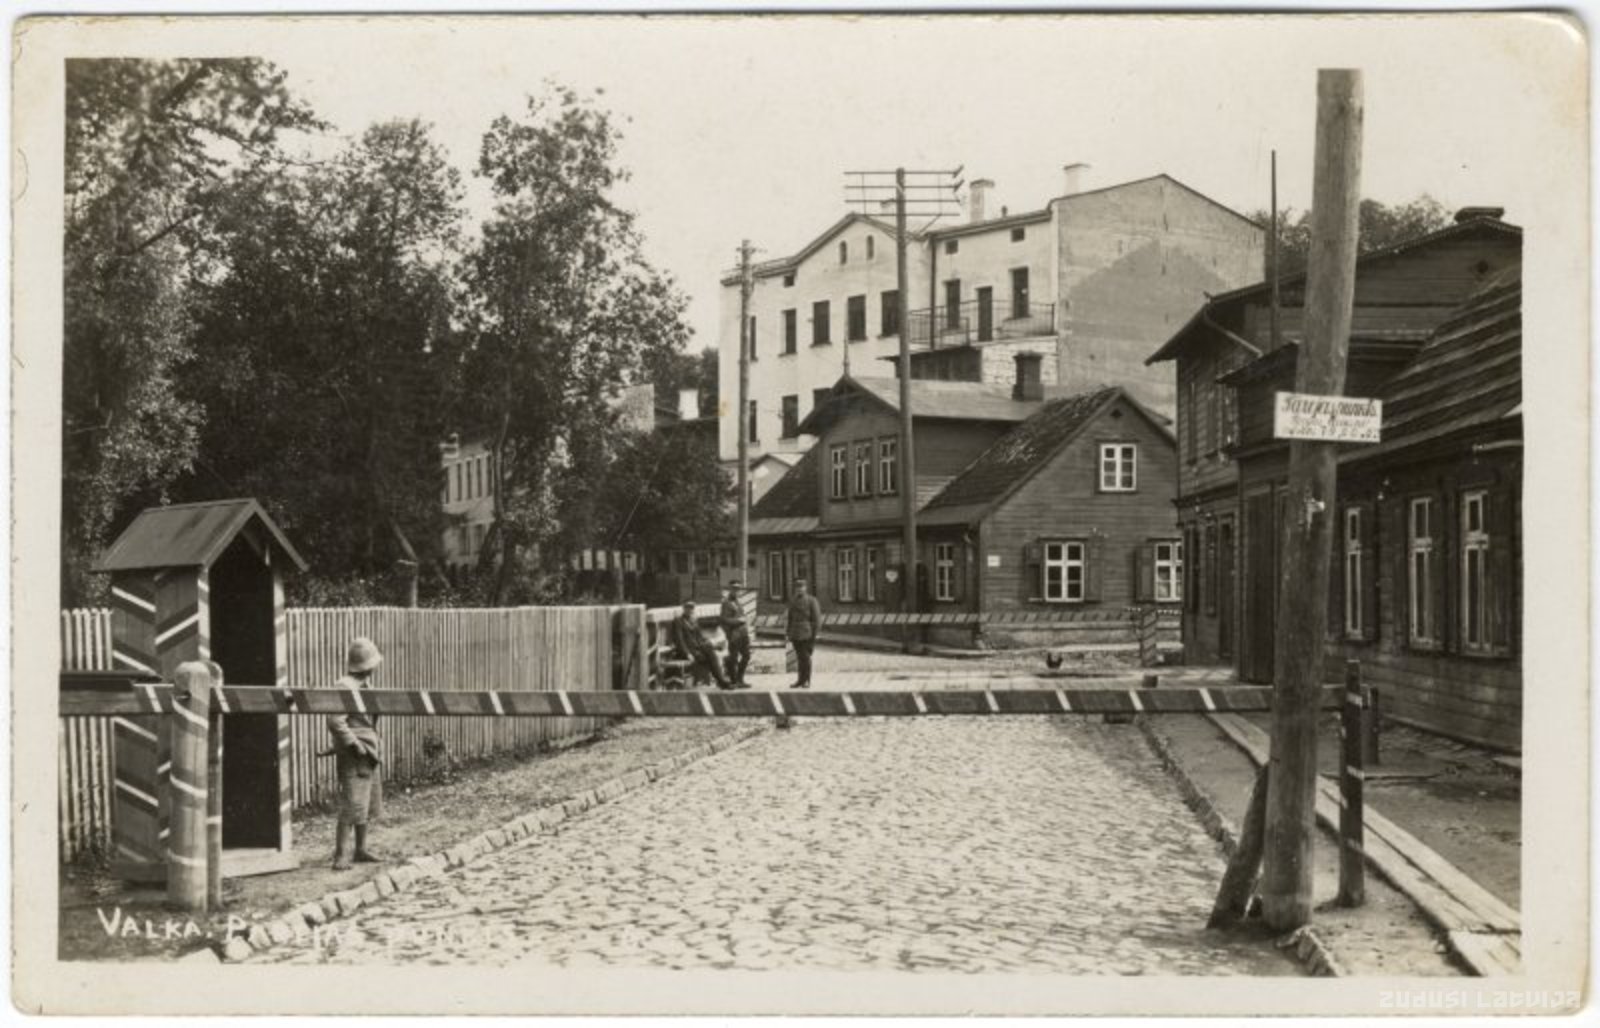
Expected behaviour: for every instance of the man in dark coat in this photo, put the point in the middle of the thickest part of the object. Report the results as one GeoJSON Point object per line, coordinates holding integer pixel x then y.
{"type": "Point", "coordinates": [804, 622]}
{"type": "Point", "coordinates": [693, 644]}
{"type": "Point", "coordinates": [737, 630]}
{"type": "Point", "coordinates": [359, 753]}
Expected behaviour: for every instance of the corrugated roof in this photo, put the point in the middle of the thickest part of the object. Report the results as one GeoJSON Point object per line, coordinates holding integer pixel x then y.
{"type": "Point", "coordinates": [1015, 456]}
{"type": "Point", "coordinates": [189, 535]}
{"type": "Point", "coordinates": [1469, 374]}
{"type": "Point", "coordinates": [794, 495]}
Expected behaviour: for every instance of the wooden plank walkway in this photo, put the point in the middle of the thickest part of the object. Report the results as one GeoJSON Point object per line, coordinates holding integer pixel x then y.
{"type": "Point", "coordinates": [1484, 931]}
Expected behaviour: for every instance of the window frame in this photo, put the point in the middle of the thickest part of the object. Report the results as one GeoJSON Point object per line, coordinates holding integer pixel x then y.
{"type": "Point", "coordinates": [821, 323]}
{"type": "Point", "coordinates": [1065, 561]}
{"type": "Point", "coordinates": [1173, 564]}
{"type": "Point", "coordinates": [1419, 584]}
{"type": "Point", "coordinates": [855, 318]}
{"type": "Point", "coordinates": [863, 467]}
{"type": "Point", "coordinates": [1124, 452]}
{"type": "Point", "coordinates": [871, 561]}
{"type": "Point", "coordinates": [790, 413]}
{"type": "Point", "coordinates": [791, 331]}
{"type": "Point", "coordinates": [944, 572]}
{"type": "Point", "coordinates": [889, 466]}
{"type": "Point", "coordinates": [1476, 543]}
{"type": "Point", "coordinates": [1023, 298]}
{"type": "Point", "coordinates": [845, 573]}
{"type": "Point", "coordinates": [889, 313]}
{"type": "Point", "coordinates": [776, 585]}
{"type": "Point", "coordinates": [839, 471]}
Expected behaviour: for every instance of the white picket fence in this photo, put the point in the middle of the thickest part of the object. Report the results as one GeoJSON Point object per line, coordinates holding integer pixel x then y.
{"type": "Point", "coordinates": [522, 648]}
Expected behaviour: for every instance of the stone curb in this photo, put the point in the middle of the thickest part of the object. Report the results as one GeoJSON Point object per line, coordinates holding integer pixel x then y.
{"type": "Point", "coordinates": [1304, 944]}
{"type": "Point", "coordinates": [299, 922]}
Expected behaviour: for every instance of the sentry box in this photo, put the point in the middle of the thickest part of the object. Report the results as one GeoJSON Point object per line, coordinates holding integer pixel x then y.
{"type": "Point", "coordinates": [202, 581]}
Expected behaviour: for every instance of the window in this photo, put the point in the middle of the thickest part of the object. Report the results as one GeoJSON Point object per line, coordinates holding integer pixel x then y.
{"type": "Point", "coordinates": [944, 571]}
{"type": "Point", "coordinates": [1018, 235]}
{"type": "Point", "coordinates": [889, 312]}
{"type": "Point", "coordinates": [1063, 572]}
{"type": "Point", "coordinates": [869, 248]}
{"type": "Point", "coordinates": [869, 574]}
{"type": "Point", "coordinates": [888, 465]}
{"type": "Point", "coordinates": [1019, 292]}
{"type": "Point", "coordinates": [1422, 618]}
{"type": "Point", "coordinates": [1169, 571]}
{"type": "Point", "coordinates": [1226, 400]}
{"type": "Point", "coordinates": [788, 280]}
{"type": "Point", "coordinates": [952, 245]}
{"type": "Point", "coordinates": [845, 562]}
{"type": "Point", "coordinates": [840, 475]}
{"type": "Point", "coordinates": [952, 303]}
{"type": "Point", "coordinates": [790, 334]}
{"type": "Point", "coordinates": [856, 318]}
{"type": "Point", "coordinates": [1352, 572]}
{"type": "Point", "coordinates": [864, 469]}
{"type": "Point", "coordinates": [844, 252]}
{"type": "Point", "coordinates": [775, 590]}
{"type": "Point", "coordinates": [752, 430]}
{"type": "Point", "coordinates": [791, 417]}
{"type": "Point", "coordinates": [819, 323]}
{"type": "Point", "coordinates": [751, 336]}
{"type": "Point", "coordinates": [1117, 467]}
{"type": "Point", "coordinates": [1475, 604]}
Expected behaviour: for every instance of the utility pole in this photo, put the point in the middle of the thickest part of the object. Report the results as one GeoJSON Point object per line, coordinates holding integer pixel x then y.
{"type": "Point", "coordinates": [935, 198]}
{"type": "Point", "coordinates": [746, 283]}
{"type": "Point", "coordinates": [1303, 572]}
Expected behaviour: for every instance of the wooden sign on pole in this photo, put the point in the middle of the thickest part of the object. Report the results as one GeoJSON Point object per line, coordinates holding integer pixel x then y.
{"type": "Point", "coordinates": [1328, 419]}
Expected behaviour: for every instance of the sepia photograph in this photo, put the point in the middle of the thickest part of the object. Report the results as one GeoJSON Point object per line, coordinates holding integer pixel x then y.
{"type": "Point", "coordinates": [780, 513]}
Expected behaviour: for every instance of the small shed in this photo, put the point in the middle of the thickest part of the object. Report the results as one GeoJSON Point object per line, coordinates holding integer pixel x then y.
{"type": "Point", "coordinates": [202, 581]}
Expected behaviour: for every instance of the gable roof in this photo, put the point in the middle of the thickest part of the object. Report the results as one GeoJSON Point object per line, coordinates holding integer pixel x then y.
{"type": "Point", "coordinates": [1021, 453]}
{"type": "Point", "coordinates": [779, 265]}
{"type": "Point", "coordinates": [930, 398]}
{"type": "Point", "coordinates": [1158, 177]}
{"type": "Point", "coordinates": [794, 495]}
{"type": "Point", "coordinates": [189, 535]}
{"type": "Point", "coordinates": [1468, 375]}
{"type": "Point", "coordinates": [1169, 350]}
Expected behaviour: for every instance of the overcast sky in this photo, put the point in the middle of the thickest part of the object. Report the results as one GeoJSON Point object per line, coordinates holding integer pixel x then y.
{"type": "Point", "coordinates": [742, 127]}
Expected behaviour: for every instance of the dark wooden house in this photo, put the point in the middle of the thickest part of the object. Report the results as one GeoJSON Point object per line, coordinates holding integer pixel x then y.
{"type": "Point", "coordinates": [1028, 500]}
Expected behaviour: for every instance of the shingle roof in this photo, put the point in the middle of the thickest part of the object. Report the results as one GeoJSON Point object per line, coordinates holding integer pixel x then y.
{"type": "Point", "coordinates": [1467, 375]}
{"type": "Point", "coordinates": [188, 535]}
{"type": "Point", "coordinates": [1015, 456]}
{"type": "Point", "coordinates": [794, 495]}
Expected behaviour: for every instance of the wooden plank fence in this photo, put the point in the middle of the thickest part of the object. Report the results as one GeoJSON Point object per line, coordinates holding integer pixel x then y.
{"type": "Point", "coordinates": [522, 649]}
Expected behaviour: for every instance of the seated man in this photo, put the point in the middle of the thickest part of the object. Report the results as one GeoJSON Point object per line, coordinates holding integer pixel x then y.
{"type": "Point", "coordinates": [693, 644]}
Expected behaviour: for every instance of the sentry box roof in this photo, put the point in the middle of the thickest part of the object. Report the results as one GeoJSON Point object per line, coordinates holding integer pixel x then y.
{"type": "Point", "coordinates": [192, 535]}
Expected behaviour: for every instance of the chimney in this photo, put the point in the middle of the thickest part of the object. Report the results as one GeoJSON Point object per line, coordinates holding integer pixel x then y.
{"type": "Point", "coordinates": [1072, 178]}
{"type": "Point", "coordinates": [1467, 214]}
{"type": "Point", "coordinates": [978, 199]}
{"type": "Point", "coordinates": [1030, 381]}
{"type": "Point", "coordinates": [688, 404]}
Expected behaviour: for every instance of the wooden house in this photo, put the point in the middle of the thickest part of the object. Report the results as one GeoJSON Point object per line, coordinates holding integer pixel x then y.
{"type": "Point", "coordinates": [1027, 499]}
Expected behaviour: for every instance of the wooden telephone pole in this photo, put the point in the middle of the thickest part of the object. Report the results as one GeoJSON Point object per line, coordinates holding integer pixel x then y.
{"type": "Point", "coordinates": [1308, 537]}
{"type": "Point", "coordinates": [743, 412]}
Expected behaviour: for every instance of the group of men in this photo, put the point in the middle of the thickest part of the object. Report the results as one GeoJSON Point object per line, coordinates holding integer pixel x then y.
{"type": "Point", "coordinates": [804, 618]}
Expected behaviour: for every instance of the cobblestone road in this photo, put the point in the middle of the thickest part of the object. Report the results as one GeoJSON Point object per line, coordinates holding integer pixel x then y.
{"type": "Point", "coordinates": [1025, 844]}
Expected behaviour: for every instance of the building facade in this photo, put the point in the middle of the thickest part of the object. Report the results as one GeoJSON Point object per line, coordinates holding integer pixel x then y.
{"type": "Point", "coordinates": [1093, 280]}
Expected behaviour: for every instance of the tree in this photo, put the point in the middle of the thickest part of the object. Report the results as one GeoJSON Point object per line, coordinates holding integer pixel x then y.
{"type": "Point", "coordinates": [677, 370]}
{"type": "Point", "coordinates": [1381, 226]}
{"type": "Point", "coordinates": [564, 308]}
{"type": "Point", "coordinates": [146, 146]}
{"type": "Point", "coordinates": [324, 351]}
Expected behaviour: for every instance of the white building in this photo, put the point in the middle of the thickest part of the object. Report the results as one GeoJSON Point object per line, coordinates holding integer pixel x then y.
{"type": "Point", "coordinates": [1095, 279]}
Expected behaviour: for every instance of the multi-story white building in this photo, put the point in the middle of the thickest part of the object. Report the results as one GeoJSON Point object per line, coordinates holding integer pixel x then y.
{"type": "Point", "coordinates": [468, 498]}
{"type": "Point", "coordinates": [1095, 279]}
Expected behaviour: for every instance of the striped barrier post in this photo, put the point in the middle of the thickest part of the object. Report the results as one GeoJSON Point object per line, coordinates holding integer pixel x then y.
{"type": "Point", "coordinates": [214, 791]}
{"type": "Point", "coordinates": [187, 863]}
{"type": "Point", "coordinates": [1352, 775]}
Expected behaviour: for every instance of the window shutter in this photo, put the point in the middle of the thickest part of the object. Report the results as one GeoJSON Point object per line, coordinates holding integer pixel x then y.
{"type": "Point", "coordinates": [1446, 553]}
{"type": "Point", "coordinates": [1144, 586]}
{"type": "Point", "coordinates": [1369, 572]}
{"type": "Point", "coordinates": [1032, 571]}
{"type": "Point", "coordinates": [829, 571]}
{"type": "Point", "coordinates": [1400, 562]}
{"type": "Point", "coordinates": [1094, 561]}
{"type": "Point", "coordinates": [1501, 588]}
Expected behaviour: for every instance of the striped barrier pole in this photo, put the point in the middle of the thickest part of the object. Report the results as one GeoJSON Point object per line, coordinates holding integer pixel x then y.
{"type": "Point", "coordinates": [1352, 782]}
{"type": "Point", "coordinates": [187, 878]}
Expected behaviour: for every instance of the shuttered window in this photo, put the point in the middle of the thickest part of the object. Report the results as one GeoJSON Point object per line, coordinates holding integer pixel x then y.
{"type": "Point", "coordinates": [1168, 564]}
{"type": "Point", "coordinates": [1065, 573]}
{"type": "Point", "coordinates": [1424, 573]}
{"type": "Point", "coordinates": [872, 562]}
{"type": "Point", "coordinates": [845, 568]}
{"type": "Point", "coordinates": [944, 571]}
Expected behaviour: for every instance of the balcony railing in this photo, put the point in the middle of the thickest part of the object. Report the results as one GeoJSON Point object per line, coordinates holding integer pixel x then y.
{"type": "Point", "coordinates": [981, 321]}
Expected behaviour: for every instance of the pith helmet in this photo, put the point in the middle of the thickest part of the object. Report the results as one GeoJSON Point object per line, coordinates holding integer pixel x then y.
{"type": "Point", "coordinates": [363, 656]}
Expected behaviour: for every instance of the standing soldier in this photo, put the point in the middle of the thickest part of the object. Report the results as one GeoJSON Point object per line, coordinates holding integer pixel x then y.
{"type": "Point", "coordinates": [805, 621]}
{"type": "Point", "coordinates": [360, 758]}
{"type": "Point", "coordinates": [738, 633]}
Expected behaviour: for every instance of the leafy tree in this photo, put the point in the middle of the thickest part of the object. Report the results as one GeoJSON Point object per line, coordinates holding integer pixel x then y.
{"type": "Point", "coordinates": [324, 351]}
{"type": "Point", "coordinates": [564, 308]}
{"type": "Point", "coordinates": [677, 370]}
{"type": "Point", "coordinates": [1381, 226]}
{"type": "Point", "coordinates": [147, 143]}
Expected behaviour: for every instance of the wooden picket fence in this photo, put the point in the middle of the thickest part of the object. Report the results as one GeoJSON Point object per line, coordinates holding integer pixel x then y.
{"type": "Point", "coordinates": [522, 648]}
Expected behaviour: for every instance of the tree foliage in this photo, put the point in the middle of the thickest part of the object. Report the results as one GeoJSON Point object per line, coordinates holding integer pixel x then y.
{"type": "Point", "coordinates": [147, 143]}
{"type": "Point", "coordinates": [564, 308]}
{"type": "Point", "coordinates": [1380, 226]}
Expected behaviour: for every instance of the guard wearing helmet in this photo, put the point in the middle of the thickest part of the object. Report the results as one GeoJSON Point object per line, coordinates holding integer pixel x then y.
{"type": "Point", "coordinates": [360, 759]}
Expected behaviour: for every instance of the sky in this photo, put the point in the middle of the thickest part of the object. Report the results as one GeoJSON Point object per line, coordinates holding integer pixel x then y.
{"type": "Point", "coordinates": [742, 127]}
